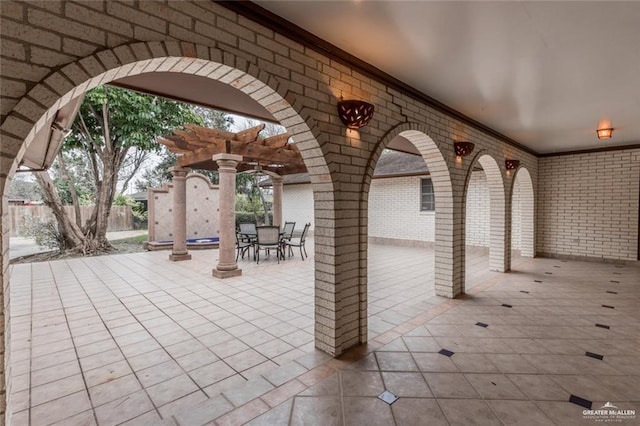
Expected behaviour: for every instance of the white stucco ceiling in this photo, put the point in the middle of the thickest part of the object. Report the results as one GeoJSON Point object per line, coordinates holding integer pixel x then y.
{"type": "Point", "coordinates": [543, 73]}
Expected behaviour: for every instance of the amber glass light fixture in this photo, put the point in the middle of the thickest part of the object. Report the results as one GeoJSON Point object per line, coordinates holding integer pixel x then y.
{"type": "Point", "coordinates": [511, 164]}
{"type": "Point", "coordinates": [463, 149]}
{"type": "Point", "coordinates": [355, 114]}
{"type": "Point", "coordinates": [605, 133]}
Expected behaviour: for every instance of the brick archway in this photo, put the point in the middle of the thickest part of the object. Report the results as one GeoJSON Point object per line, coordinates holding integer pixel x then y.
{"type": "Point", "coordinates": [524, 210]}
{"type": "Point", "coordinates": [449, 271]}
{"type": "Point", "coordinates": [499, 214]}
{"type": "Point", "coordinates": [41, 103]}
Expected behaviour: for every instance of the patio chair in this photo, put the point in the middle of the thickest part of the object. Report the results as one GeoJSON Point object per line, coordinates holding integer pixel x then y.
{"type": "Point", "coordinates": [299, 243]}
{"type": "Point", "coordinates": [268, 238]}
{"type": "Point", "coordinates": [248, 229]}
{"type": "Point", "coordinates": [287, 233]}
{"type": "Point", "coordinates": [243, 245]}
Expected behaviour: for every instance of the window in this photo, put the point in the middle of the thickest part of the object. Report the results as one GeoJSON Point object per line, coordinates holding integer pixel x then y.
{"type": "Point", "coordinates": [427, 197]}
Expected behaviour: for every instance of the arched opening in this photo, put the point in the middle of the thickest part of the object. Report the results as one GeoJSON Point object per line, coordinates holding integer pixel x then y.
{"type": "Point", "coordinates": [486, 214]}
{"type": "Point", "coordinates": [408, 197]}
{"type": "Point", "coordinates": [19, 130]}
{"type": "Point", "coordinates": [523, 214]}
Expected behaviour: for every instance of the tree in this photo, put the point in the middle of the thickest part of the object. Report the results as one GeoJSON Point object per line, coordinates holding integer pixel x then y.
{"type": "Point", "coordinates": [160, 174]}
{"type": "Point", "coordinates": [111, 124]}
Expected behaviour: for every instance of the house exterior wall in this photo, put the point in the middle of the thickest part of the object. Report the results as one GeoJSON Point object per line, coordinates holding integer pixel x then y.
{"type": "Point", "coordinates": [394, 210]}
{"type": "Point", "coordinates": [297, 205]}
{"type": "Point", "coordinates": [588, 205]}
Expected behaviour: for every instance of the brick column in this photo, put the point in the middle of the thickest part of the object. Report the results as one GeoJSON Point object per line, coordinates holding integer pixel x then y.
{"type": "Point", "coordinates": [179, 251]}
{"type": "Point", "coordinates": [227, 266]}
{"type": "Point", "coordinates": [277, 200]}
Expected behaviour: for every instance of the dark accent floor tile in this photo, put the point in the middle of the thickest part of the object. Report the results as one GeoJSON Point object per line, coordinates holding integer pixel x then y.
{"type": "Point", "coordinates": [614, 281]}
{"type": "Point", "coordinates": [612, 292]}
{"type": "Point", "coordinates": [580, 401]}
{"type": "Point", "coordinates": [594, 355]}
{"type": "Point", "coordinates": [537, 281]}
{"type": "Point", "coordinates": [608, 306]}
{"type": "Point", "coordinates": [524, 291]}
{"type": "Point", "coordinates": [446, 352]}
{"type": "Point", "coordinates": [507, 305]}
{"type": "Point", "coordinates": [603, 326]}
{"type": "Point", "coordinates": [482, 324]}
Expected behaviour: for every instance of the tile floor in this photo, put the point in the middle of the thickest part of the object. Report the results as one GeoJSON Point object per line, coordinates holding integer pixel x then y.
{"type": "Point", "coordinates": [135, 339]}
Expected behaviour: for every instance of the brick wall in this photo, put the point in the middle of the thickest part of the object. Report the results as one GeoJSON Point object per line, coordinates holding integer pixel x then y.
{"type": "Point", "coordinates": [588, 205]}
{"type": "Point", "coordinates": [516, 213]}
{"type": "Point", "coordinates": [477, 220]}
{"type": "Point", "coordinates": [53, 51]}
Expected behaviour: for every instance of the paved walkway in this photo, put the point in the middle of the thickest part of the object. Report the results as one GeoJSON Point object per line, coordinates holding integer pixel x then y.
{"type": "Point", "coordinates": [22, 246]}
{"type": "Point", "coordinates": [137, 338]}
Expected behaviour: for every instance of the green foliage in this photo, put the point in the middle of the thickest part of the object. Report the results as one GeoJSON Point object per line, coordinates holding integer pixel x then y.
{"type": "Point", "coordinates": [135, 119]}
{"type": "Point", "coordinates": [44, 232]}
{"type": "Point", "coordinates": [136, 207]}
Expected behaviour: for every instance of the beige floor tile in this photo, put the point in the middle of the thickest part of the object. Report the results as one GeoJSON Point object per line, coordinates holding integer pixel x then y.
{"type": "Point", "coordinates": [361, 383]}
{"type": "Point", "coordinates": [539, 387]}
{"type": "Point", "coordinates": [474, 363]}
{"type": "Point", "coordinates": [463, 412]}
{"type": "Point", "coordinates": [123, 409]}
{"type": "Point", "coordinates": [117, 388]}
{"type": "Point", "coordinates": [370, 411]}
{"type": "Point", "coordinates": [277, 416]}
{"type": "Point", "coordinates": [520, 413]}
{"type": "Point", "coordinates": [204, 412]}
{"type": "Point", "coordinates": [396, 361]}
{"type": "Point", "coordinates": [181, 404]}
{"type": "Point", "coordinates": [60, 409]}
{"type": "Point", "coordinates": [107, 373]}
{"type": "Point", "coordinates": [210, 374]}
{"type": "Point", "coordinates": [406, 385]}
{"type": "Point", "coordinates": [418, 412]}
{"type": "Point", "coordinates": [563, 413]}
{"type": "Point", "coordinates": [245, 360]}
{"type": "Point", "coordinates": [512, 363]}
{"type": "Point", "coordinates": [316, 410]}
{"type": "Point", "coordinates": [247, 391]}
{"type": "Point", "coordinates": [436, 363]}
{"type": "Point", "coordinates": [450, 385]}
{"type": "Point", "coordinates": [196, 359]}
{"type": "Point", "coordinates": [159, 373]}
{"type": "Point", "coordinates": [171, 390]}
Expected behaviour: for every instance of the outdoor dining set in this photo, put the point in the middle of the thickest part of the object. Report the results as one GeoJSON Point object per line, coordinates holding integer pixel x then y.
{"type": "Point", "coordinates": [250, 237]}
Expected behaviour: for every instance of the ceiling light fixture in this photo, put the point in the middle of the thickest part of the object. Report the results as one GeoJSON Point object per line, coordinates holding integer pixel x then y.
{"type": "Point", "coordinates": [511, 164]}
{"type": "Point", "coordinates": [355, 114]}
{"type": "Point", "coordinates": [463, 149]}
{"type": "Point", "coordinates": [605, 133]}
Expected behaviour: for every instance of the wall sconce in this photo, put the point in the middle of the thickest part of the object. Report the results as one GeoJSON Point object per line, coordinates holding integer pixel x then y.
{"type": "Point", "coordinates": [511, 164]}
{"type": "Point", "coordinates": [355, 114]}
{"type": "Point", "coordinates": [605, 133]}
{"type": "Point", "coordinates": [463, 149]}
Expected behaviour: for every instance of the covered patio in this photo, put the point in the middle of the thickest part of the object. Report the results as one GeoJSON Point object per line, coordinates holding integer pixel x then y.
{"type": "Point", "coordinates": [110, 339]}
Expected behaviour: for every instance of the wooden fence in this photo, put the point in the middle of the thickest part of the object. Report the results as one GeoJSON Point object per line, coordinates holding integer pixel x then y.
{"type": "Point", "coordinates": [121, 218]}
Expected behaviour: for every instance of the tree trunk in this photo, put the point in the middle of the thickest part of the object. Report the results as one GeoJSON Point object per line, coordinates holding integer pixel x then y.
{"type": "Point", "coordinates": [72, 236]}
{"type": "Point", "coordinates": [256, 186]}
{"type": "Point", "coordinates": [72, 188]}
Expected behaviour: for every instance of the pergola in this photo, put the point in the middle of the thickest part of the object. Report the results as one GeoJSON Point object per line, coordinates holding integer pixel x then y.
{"type": "Point", "coordinates": [228, 153]}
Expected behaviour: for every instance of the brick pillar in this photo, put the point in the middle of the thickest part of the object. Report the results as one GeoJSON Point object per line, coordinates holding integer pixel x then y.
{"type": "Point", "coordinates": [277, 200]}
{"type": "Point", "coordinates": [227, 266]}
{"type": "Point", "coordinates": [179, 251]}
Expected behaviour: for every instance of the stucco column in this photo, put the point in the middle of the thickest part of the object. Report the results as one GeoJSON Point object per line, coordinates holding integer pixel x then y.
{"type": "Point", "coordinates": [277, 200]}
{"type": "Point", "coordinates": [179, 251]}
{"type": "Point", "coordinates": [227, 266]}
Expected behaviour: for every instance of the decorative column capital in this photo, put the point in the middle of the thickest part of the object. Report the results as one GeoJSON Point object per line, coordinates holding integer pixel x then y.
{"type": "Point", "coordinates": [179, 172]}
{"type": "Point", "coordinates": [277, 180]}
{"type": "Point", "coordinates": [227, 161]}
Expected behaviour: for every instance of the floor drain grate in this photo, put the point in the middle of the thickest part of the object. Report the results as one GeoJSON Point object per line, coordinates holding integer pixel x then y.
{"type": "Point", "coordinates": [388, 397]}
